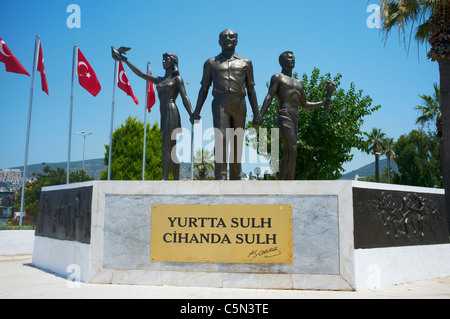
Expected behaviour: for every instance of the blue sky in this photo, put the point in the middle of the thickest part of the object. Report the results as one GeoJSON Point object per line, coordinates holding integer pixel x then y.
{"type": "Point", "coordinates": [331, 35]}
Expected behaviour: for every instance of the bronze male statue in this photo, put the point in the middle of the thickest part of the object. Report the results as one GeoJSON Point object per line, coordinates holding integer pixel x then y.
{"type": "Point", "coordinates": [290, 94]}
{"type": "Point", "coordinates": [230, 75]}
{"type": "Point", "coordinates": [169, 87]}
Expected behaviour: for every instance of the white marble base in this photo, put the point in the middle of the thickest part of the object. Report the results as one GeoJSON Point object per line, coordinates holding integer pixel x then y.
{"type": "Point", "coordinates": [65, 258]}
{"type": "Point", "coordinates": [375, 268]}
{"type": "Point", "coordinates": [324, 254]}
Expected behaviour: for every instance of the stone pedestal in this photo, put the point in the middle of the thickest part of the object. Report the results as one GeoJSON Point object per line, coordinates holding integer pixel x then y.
{"type": "Point", "coordinates": [346, 235]}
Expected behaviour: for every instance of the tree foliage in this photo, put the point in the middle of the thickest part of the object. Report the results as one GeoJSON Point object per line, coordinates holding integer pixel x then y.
{"type": "Point", "coordinates": [430, 110]}
{"type": "Point", "coordinates": [423, 20]}
{"type": "Point", "coordinates": [324, 144]}
{"type": "Point", "coordinates": [203, 165]}
{"type": "Point", "coordinates": [375, 139]}
{"type": "Point", "coordinates": [387, 148]}
{"type": "Point", "coordinates": [128, 150]}
{"type": "Point", "coordinates": [417, 156]}
{"type": "Point", "coordinates": [49, 177]}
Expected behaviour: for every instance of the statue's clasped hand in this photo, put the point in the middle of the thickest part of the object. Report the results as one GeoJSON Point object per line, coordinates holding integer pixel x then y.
{"type": "Point", "coordinates": [258, 120]}
{"type": "Point", "coordinates": [195, 118]}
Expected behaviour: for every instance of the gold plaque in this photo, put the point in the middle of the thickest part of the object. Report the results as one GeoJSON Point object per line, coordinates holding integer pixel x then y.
{"type": "Point", "coordinates": [222, 233]}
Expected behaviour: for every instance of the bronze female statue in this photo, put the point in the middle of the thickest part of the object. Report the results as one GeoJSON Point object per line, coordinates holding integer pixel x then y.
{"type": "Point", "coordinates": [168, 87]}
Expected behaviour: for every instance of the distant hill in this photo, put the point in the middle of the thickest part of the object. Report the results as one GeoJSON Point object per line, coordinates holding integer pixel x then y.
{"type": "Point", "coordinates": [368, 170]}
{"type": "Point", "coordinates": [95, 167]}
{"type": "Point", "coordinates": [92, 167]}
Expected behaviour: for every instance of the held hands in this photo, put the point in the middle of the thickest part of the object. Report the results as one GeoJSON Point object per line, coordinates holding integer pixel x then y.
{"type": "Point", "coordinates": [195, 117]}
{"type": "Point", "coordinates": [258, 120]}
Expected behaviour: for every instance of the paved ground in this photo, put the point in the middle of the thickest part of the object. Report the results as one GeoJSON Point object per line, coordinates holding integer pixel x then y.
{"type": "Point", "coordinates": [20, 280]}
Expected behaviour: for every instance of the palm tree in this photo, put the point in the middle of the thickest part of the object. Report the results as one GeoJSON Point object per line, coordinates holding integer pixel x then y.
{"type": "Point", "coordinates": [428, 21]}
{"type": "Point", "coordinates": [431, 108]}
{"type": "Point", "coordinates": [375, 139]}
{"type": "Point", "coordinates": [387, 147]}
{"type": "Point", "coordinates": [203, 163]}
{"type": "Point", "coordinates": [431, 112]}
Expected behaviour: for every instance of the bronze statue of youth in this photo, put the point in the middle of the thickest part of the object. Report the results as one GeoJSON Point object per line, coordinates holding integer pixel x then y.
{"type": "Point", "coordinates": [290, 93]}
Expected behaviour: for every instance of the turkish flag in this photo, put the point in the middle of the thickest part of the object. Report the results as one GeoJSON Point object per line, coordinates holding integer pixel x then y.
{"type": "Point", "coordinates": [151, 98]}
{"type": "Point", "coordinates": [86, 75]}
{"type": "Point", "coordinates": [41, 68]}
{"type": "Point", "coordinates": [124, 84]}
{"type": "Point", "coordinates": [11, 63]}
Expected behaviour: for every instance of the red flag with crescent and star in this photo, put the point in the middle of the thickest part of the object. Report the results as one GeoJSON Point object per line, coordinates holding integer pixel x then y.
{"type": "Point", "coordinates": [41, 69]}
{"type": "Point", "coordinates": [124, 84]}
{"type": "Point", "coordinates": [11, 63]}
{"type": "Point", "coordinates": [86, 75]}
{"type": "Point", "coordinates": [151, 97]}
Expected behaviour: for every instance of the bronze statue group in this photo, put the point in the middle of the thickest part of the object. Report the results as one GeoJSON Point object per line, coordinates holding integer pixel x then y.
{"type": "Point", "coordinates": [232, 79]}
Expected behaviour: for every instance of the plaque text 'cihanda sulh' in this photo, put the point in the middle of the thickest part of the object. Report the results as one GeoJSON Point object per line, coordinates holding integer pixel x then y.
{"type": "Point", "coordinates": [222, 233]}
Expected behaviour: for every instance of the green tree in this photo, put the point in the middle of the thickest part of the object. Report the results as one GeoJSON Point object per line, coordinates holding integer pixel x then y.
{"type": "Point", "coordinates": [49, 177]}
{"type": "Point", "coordinates": [427, 21]}
{"type": "Point", "coordinates": [324, 143]}
{"type": "Point", "coordinates": [128, 150]}
{"type": "Point", "coordinates": [430, 111]}
{"type": "Point", "coordinates": [418, 159]}
{"type": "Point", "coordinates": [375, 140]}
{"type": "Point", "coordinates": [387, 148]}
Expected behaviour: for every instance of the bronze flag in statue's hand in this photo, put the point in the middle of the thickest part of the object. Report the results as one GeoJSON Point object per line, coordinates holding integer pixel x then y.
{"type": "Point", "coordinates": [331, 87]}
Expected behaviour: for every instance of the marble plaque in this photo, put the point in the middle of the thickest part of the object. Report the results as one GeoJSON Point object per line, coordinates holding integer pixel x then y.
{"type": "Point", "coordinates": [315, 228]}
{"type": "Point", "coordinates": [222, 233]}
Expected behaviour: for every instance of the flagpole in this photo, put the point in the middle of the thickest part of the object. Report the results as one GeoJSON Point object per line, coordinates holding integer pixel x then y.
{"type": "Point", "coordinates": [71, 113]}
{"type": "Point", "coordinates": [112, 119]}
{"type": "Point", "coordinates": [192, 152]}
{"type": "Point", "coordinates": [27, 143]}
{"type": "Point", "coordinates": [145, 122]}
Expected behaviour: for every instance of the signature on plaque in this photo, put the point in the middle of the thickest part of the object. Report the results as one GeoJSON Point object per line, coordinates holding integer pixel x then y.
{"type": "Point", "coordinates": [266, 253]}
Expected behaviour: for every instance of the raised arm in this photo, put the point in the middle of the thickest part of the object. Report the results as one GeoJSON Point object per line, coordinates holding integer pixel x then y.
{"type": "Point", "coordinates": [145, 76]}
{"type": "Point", "coordinates": [118, 55]}
{"type": "Point", "coordinates": [181, 88]}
